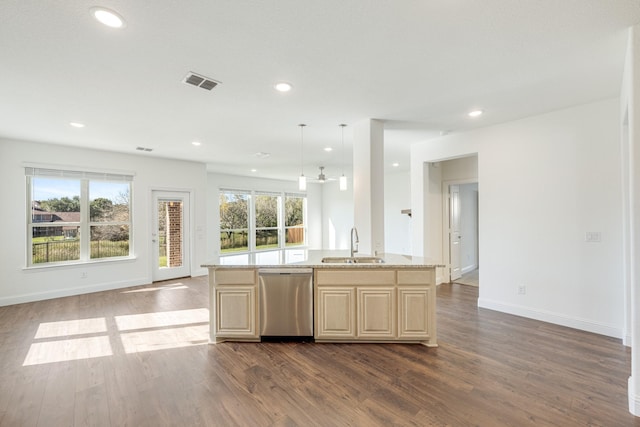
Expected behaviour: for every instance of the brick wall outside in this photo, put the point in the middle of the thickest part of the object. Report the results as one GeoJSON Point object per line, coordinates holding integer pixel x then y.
{"type": "Point", "coordinates": [174, 234]}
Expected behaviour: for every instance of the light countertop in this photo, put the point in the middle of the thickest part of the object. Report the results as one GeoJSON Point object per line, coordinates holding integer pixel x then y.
{"type": "Point", "coordinates": [313, 258]}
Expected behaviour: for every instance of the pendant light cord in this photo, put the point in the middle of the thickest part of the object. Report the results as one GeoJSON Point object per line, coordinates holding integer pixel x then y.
{"type": "Point", "coordinates": [342, 126]}
{"type": "Point", "coordinates": [343, 179]}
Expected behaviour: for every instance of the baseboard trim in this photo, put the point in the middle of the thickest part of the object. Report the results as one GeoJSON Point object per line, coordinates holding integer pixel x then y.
{"type": "Point", "coordinates": [200, 272]}
{"type": "Point", "coordinates": [59, 293]}
{"type": "Point", "coordinates": [468, 269]}
{"type": "Point", "coordinates": [551, 317]}
{"type": "Point", "coordinates": [634, 399]}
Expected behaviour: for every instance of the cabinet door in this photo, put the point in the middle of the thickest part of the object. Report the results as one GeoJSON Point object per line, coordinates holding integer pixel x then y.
{"type": "Point", "coordinates": [376, 313]}
{"type": "Point", "coordinates": [236, 311]}
{"type": "Point", "coordinates": [414, 318]}
{"type": "Point", "coordinates": [335, 312]}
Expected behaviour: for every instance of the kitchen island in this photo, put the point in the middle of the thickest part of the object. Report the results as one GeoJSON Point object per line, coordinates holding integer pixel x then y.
{"type": "Point", "coordinates": [390, 298]}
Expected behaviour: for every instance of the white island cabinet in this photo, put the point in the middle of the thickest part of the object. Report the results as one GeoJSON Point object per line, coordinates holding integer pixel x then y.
{"type": "Point", "coordinates": [234, 304]}
{"type": "Point", "coordinates": [383, 304]}
{"type": "Point", "coordinates": [394, 301]}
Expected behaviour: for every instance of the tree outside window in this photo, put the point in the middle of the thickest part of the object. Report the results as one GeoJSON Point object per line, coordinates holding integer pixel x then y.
{"type": "Point", "coordinates": [266, 208]}
{"type": "Point", "coordinates": [234, 221]}
{"type": "Point", "coordinates": [109, 219]}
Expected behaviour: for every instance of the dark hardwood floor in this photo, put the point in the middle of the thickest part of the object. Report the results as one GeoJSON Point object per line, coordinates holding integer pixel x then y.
{"type": "Point", "coordinates": [138, 357]}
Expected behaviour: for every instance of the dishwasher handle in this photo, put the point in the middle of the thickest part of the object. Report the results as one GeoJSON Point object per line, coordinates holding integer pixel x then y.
{"type": "Point", "coordinates": [265, 271]}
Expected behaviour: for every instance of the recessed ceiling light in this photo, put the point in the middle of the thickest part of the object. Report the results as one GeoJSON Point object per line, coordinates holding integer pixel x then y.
{"type": "Point", "coordinates": [328, 149]}
{"type": "Point", "coordinates": [254, 170]}
{"type": "Point", "coordinates": [283, 86]}
{"type": "Point", "coordinates": [107, 17]}
{"type": "Point", "coordinates": [396, 164]}
{"type": "Point", "coordinates": [262, 155]}
{"type": "Point", "coordinates": [76, 124]}
{"type": "Point", "coordinates": [475, 113]}
{"type": "Point", "coordinates": [196, 143]}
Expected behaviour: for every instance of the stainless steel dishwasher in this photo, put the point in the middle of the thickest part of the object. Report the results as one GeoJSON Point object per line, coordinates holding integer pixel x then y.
{"type": "Point", "coordinates": [286, 302]}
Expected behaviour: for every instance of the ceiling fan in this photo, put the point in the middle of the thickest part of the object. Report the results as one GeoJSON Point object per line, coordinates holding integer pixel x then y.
{"type": "Point", "coordinates": [322, 178]}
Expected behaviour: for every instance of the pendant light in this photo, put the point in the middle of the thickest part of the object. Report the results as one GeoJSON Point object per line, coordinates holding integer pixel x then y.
{"type": "Point", "coordinates": [302, 180]}
{"type": "Point", "coordinates": [343, 179]}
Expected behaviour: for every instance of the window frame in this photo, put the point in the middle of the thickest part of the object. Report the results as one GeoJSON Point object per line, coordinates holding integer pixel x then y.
{"type": "Point", "coordinates": [279, 225]}
{"type": "Point", "coordinates": [84, 177]}
{"type": "Point", "coordinates": [248, 229]}
{"type": "Point", "coordinates": [286, 227]}
{"type": "Point", "coordinates": [281, 228]}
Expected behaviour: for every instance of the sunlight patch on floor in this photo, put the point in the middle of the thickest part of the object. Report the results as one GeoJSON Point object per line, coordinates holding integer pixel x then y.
{"type": "Point", "coordinates": [172, 287]}
{"type": "Point", "coordinates": [137, 333]}
{"type": "Point", "coordinates": [65, 328]}
{"type": "Point", "coordinates": [66, 350]}
{"type": "Point", "coordinates": [162, 339]}
{"type": "Point", "coordinates": [161, 319]}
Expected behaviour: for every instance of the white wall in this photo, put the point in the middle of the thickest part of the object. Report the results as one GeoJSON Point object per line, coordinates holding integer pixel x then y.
{"type": "Point", "coordinates": [397, 226]}
{"type": "Point", "coordinates": [544, 182]}
{"type": "Point", "coordinates": [20, 285]}
{"type": "Point", "coordinates": [337, 216]}
{"type": "Point", "coordinates": [216, 181]}
{"type": "Point", "coordinates": [630, 179]}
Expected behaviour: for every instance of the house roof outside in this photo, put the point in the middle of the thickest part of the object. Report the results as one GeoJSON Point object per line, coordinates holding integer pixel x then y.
{"type": "Point", "coordinates": [44, 216]}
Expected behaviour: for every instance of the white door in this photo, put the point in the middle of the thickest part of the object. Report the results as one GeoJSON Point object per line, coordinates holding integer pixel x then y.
{"type": "Point", "coordinates": [454, 232]}
{"type": "Point", "coordinates": [170, 235]}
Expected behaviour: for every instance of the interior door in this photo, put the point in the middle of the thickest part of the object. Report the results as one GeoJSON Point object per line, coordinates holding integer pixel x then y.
{"type": "Point", "coordinates": [170, 235]}
{"type": "Point", "coordinates": [454, 231]}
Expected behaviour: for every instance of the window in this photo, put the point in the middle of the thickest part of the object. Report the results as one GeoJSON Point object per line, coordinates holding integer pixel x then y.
{"type": "Point", "coordinates": [234, 221]}
{"type": "Point", "coordinates": [77, 216]}
{"type": "Point", "coordinates": [294, 219]}
{"type": "Point", "coordinates": [109, 218]}
{"type": "Point", "coordinates": [257, 221]}
{"type": "Point", "coordinates": [267, 224]}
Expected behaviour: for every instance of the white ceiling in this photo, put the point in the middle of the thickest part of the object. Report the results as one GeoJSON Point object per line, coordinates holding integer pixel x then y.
{"type": "Point", "coordinates": [419, 65]}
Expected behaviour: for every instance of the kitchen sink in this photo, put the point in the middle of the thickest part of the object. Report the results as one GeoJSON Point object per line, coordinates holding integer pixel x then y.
{"type": "Point", "coordinates": [353, 260]}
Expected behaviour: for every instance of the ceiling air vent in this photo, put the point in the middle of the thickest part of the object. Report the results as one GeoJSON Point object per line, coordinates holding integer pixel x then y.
{"type": "Point", "coordinates": [194, 79]}
{"type": "Point", "coordinates": [144, 149]}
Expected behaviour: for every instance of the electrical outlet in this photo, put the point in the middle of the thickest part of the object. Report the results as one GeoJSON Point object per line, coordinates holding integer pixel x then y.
{"type": "Point", "coordinates": [83, 275]}
{"type": "Point", "coordinates": [522, 290]}
{"type": "Point", "coordinates": [593, 236]}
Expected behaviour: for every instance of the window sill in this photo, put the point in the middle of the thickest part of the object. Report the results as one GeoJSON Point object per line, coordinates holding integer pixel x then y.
{"type": "Point", "coordinates": [80, 263]}
{"type": "Point", "coordinates": [257, 251]}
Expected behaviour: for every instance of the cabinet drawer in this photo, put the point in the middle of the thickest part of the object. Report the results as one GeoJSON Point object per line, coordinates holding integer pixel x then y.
{"type": "Point", "coordinates": [415, 277]}
{"type": "Point", "coordinates": [362, 276]}
{"type": "Point", "coordinates": [234, 276]}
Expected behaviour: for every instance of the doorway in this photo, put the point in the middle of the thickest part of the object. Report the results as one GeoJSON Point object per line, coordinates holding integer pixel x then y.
{"type": "Point", "coordinates": [170, 235]}
{"type": "Point", "coordinates": [460, 227]}
{"type": "Point", "coordinates": [455, 238]}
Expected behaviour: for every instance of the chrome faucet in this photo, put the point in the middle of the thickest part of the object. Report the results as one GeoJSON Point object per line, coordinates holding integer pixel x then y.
{"type": "Point", "coordinates": [354, 232]}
